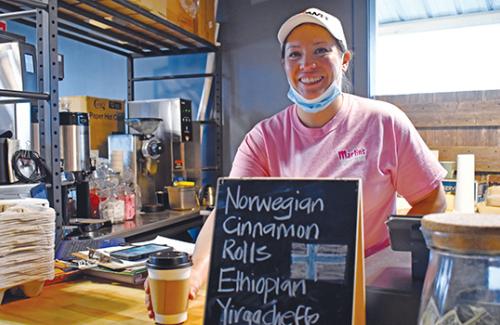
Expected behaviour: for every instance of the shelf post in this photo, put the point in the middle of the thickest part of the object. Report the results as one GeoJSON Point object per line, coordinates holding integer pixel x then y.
{"type": "Point", "coordinates": [48, 110]}
{"type": "Point", "coordinates": [218, 115]}
{"type": "Point", "coordinates": [130, 78]}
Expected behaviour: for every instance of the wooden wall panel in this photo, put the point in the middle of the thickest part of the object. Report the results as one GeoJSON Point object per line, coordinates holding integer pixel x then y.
{"type": "Point", "coordinates": [461, 136]}
{"type": "Point", "coordinates": [486, 158]}
{"type": "Point", "coordinates": [455, 114]}
{"type": "Point", "coordinates": [455, 123]}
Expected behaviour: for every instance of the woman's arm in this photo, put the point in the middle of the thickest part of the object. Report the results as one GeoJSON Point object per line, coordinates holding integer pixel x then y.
{"type": "Point", "coordinates": [201, 256]}
{"type": "Point", "coordinates": [433, 202]}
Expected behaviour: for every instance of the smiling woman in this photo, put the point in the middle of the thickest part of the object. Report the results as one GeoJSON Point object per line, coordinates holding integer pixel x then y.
{"type": "Point", "coordinates": [330, 133]}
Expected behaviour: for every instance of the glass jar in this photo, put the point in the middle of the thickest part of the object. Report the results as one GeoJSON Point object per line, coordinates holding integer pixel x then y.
{"type": "Point", "coordinates": [462, 283]}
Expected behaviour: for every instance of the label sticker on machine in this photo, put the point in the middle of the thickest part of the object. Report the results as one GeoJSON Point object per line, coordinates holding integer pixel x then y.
{"type": "Point", "coordinates": [178, 163]}
{"type": "Point", "coordinates": [28, 61]}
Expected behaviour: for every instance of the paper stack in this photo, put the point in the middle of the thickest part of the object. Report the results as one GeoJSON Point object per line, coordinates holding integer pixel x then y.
{"type": "Point", "coordinates": [27, 232]}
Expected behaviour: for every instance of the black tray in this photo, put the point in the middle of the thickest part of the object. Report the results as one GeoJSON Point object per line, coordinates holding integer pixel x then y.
{"type": "Point", "coordinates": [405, 235]}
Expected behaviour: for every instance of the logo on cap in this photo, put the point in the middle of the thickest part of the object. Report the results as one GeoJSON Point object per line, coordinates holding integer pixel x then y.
{"type": "Point", "coordinates": [317, 14]}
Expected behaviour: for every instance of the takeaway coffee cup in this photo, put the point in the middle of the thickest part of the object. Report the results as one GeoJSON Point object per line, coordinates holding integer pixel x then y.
{"type": "Point", "coordinates": [169, 273]}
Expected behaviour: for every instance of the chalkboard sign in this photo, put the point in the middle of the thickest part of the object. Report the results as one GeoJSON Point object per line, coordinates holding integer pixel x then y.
{"type": "Point", "coordinates": [285, 251]}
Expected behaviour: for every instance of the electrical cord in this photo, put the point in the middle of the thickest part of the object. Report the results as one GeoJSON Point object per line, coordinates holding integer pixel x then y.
{"type": "Point", "coordinates": [29, 158]}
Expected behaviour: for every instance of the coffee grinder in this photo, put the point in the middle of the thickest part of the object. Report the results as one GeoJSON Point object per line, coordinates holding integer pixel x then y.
{"type": "Point", "coordinates": [141, 153]}
{"type": "Point", "coordinates": [75, 160]}
{"type": "Point", "coordinates": [174, 132]}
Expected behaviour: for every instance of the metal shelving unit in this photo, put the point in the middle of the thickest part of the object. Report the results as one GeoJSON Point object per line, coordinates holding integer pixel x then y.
{"type": "Point", "coordinates": [108, 25]}
{"type": "Point", "coordinates": [43, 13]}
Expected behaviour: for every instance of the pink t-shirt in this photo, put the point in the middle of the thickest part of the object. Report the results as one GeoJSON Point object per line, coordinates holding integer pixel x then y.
{"type": "Point", "coordinates": [367, 139]}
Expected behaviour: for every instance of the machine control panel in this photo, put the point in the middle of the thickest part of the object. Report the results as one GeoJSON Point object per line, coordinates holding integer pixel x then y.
{"type": "Point", "coordinates": [186, 121]}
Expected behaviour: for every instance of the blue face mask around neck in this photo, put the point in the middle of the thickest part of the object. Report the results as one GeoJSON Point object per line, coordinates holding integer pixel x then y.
{"type": "Point", "coordinates": [317, 104]}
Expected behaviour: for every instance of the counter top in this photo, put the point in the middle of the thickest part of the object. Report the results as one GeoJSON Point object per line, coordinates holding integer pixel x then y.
{"type": "Point", "coordinates": [392, 298]}
{"type": "Point", "coordinates": [147, 222]}
{"type": "Point", "coordinates": [86, 302]}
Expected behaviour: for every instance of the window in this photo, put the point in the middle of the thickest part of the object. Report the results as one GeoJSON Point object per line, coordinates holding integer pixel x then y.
{"type": "Point", "coordinates": [447, 54]}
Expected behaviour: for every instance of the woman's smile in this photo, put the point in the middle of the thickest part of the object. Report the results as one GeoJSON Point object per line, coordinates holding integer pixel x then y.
{"type": "Point", "coordinates": [311, 80]}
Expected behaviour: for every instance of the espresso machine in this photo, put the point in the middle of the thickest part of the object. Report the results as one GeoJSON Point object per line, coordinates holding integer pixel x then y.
{"type": "Point", "coordinates": [75, 160]}
{"type": "Point", "coordinates": [153, 147]}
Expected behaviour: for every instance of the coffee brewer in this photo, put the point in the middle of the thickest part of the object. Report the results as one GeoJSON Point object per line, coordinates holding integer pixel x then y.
{"type": "Point", "coordinates": [75, 159]}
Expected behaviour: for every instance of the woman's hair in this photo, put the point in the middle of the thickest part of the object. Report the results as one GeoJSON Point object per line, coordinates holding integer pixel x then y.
{"type": "Point", "coordinates": [346, 83]}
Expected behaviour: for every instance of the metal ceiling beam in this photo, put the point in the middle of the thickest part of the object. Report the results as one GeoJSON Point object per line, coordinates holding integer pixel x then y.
{"type": "Point", "coordinates": [99, 37]}
{"type": "Point", "coordinates": [93, 43]}
{"type": "Point", "coordinates": [18, 14]}
{"type": "Point", "coordinates": [137, 23]}
{"type": "Point", "coordinates": [170, 77]}
{"type": "Point", "coordinates": [490, 5]}
{"type": "Point", "coordinates": [165, 23]}
{"type": "Point", "coordinates": [156, 45]}
{"type": "Point", "coordinates": [39, 4]}
{"type": "Point", "coordinates": [199, 50]}
{"type": "Point", "coordinates": [439, 23]}
{"type": "Point", "coordinates": [109, 33]}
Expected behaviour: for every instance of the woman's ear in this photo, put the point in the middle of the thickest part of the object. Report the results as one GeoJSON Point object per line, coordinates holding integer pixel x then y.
{"type": "Point", "coordinates": [346, 58]}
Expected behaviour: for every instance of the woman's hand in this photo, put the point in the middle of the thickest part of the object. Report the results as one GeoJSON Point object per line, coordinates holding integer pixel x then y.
{"type": "Point", "coordinates": [195, 283]}
{"type": "Point", "coordinates": [147, 299]}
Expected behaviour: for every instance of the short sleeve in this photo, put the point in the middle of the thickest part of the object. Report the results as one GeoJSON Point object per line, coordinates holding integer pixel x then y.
{"type": "Point", "coordinates": [250, 159]}
{"type": "Point", "coordinates": [418, 171]}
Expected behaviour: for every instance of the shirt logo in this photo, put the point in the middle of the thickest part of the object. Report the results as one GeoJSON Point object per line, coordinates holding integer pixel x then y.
{"type": "Point", "coordinates": [354, 154]}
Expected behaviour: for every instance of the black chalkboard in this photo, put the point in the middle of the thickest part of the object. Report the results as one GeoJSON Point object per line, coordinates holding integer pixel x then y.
{"type": "Point", "coordinates": [283, 249]}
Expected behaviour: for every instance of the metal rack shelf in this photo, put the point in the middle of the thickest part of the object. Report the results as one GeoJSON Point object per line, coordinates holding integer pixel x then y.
{"type": "Point", "coordinates": [118, 26]}
{"type": "Point", "coordinates": [43, 15]}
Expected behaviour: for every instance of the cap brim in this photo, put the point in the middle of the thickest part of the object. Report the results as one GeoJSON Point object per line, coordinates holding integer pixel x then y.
{"type": "Point", "coordinates": [295, 21]}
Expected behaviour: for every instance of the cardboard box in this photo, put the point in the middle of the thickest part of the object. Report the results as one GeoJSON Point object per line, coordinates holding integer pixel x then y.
{"type": "Point", "coordinates": [105, 117]}
{"type": "Point", "coordinates": [206, 20]}
{"type": "Point", "coordinates": [179, 16]}
{"type": "Point", "coordinates": [450, 186]}
{"type": "Point", "coordinates": [200, 21]}
{"type": "Point", "coordinates": [172, 10]}
{"type": "Point", "coordinates": [155, 6]}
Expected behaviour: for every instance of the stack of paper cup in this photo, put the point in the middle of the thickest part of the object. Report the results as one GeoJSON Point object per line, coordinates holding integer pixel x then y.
{"type": "Point", "coordinates": [464, 193]}
{"type": "Point", "coordinates": [117, 160]}
{"type": "Point", "coordinates": [27, 231]}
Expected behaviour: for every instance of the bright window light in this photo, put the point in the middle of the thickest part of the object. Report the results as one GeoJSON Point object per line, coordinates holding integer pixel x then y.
{"type": "Point", "coordinates": [446, 60]}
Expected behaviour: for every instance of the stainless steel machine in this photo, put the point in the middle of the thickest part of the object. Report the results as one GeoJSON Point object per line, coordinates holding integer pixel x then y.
{"type": "Point", "coordinates": [18, 72]}
{"type": "Point", "coordinates": [75, 158]}
{"type": "Point", "coordinates": [154, 147]}
{"type": "Point", "coordinates": [17, 68]}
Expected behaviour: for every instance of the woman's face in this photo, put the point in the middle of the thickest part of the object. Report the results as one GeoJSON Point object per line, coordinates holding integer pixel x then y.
{"type": "Point", "coordinates": [312, 60]}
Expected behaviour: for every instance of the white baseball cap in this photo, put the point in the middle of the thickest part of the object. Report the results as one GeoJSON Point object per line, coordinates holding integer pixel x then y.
{"type": "Point", "coordinates": [314, 16]}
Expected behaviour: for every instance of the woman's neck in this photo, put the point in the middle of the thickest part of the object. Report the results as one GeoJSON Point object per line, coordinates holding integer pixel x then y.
{"type": "Point", "coordinates": [317, 120]}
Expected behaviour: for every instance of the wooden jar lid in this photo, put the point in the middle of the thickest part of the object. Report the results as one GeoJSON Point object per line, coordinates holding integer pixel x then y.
{"type": "Point", "coordinates": [463, 232]}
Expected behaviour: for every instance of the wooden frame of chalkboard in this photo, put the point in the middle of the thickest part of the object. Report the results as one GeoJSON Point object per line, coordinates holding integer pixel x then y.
{"type": "Point", "coordinates": [286, 251]}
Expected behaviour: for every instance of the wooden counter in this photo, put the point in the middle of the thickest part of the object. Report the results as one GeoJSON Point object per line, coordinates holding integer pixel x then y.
{"type": "Point", "coordinates": [86, 302]}
{"type": "Point", "coordinates": [392, 298]}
